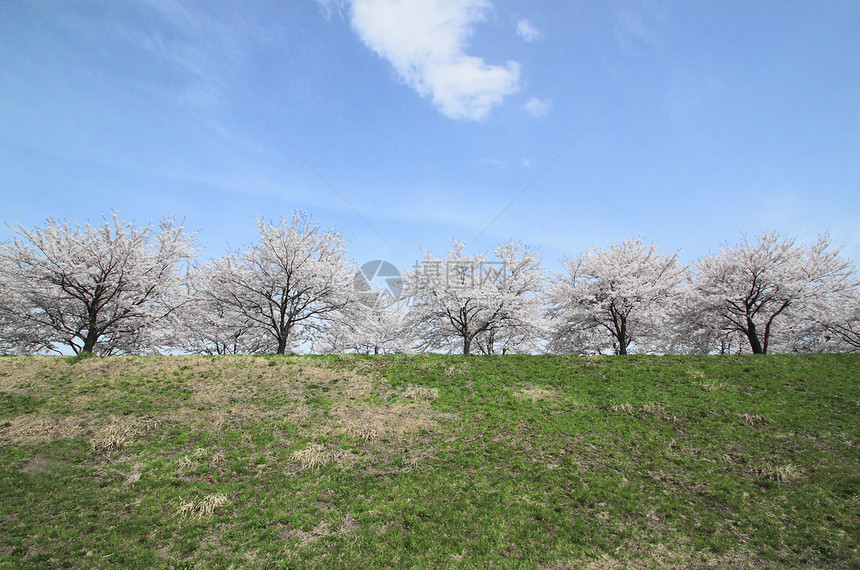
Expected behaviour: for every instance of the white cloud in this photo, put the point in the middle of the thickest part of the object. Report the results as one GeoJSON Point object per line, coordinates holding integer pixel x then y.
{"type": "Point", "coordinates": [527, 31]}
{"type": "Point", "coordinates": [424, 40]}
{"type": "Point", "coordinates": [538, 107]}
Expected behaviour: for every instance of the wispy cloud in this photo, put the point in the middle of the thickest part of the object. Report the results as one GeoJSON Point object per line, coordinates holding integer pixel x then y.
{"type": "Point", "coordinates": [538, 107]}
{"type": "Point", "coordinates": [329, 7]}
{"type": "Point", "coordinates": [425, 40]}
{"type": "Point", "coordinates": [527, 31]}
{"type": "Point", "coordinates": [641, 25]}
{"type": "Point", "coordinates": [493, 161]}
{"type": "Point", "coordinates": [199, 49]}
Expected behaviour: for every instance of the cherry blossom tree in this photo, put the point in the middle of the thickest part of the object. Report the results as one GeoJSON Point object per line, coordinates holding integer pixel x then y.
{"type": "Point", "coordinates": [520, 326]}
{"type": "Point", "coordinates": [207, 324]}
{"type": "Point", "coordinates": [832, 322]}
{"type": "Point", "coordinates": [757, 289]}
{"type": "Point", "coordinates": [17, 336]}
{"type": "Point", "coordinates": [465, 300]}
{"type": "Point", "coordinates": [99, 288]}
{"type": "Point", "coordinates": [367, 328]}
{"type": "Point", "coordinates": [691, 331]}
{"type": "Point", "coordinates": [289, 283]}
{"type": "Point", "coordinates": [843, 319]}
{"type": "Point", "coordinates": [613, 298]}
{"type": "Point", "coordinates": [376, 322]}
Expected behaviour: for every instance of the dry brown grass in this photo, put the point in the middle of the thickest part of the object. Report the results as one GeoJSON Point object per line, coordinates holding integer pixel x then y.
{"type": "Point", "coordinates": [306, 538]}
{"type": "Point", "coordinates": [107, 434]}
{"type": "Point", "coordinates": [202, 507]}
{"type": "Point", "coordinates": [312, 456]}
{"type": "Point", "coordinates": [316, 455]}
{"type": "Point", "coordinates": [420, 393]}
{"type": "Point", "coordinates": [594, 360]}
{"type": "Point", "coordinates": [535, 393]}
{"type": "Point", "coordinates": [663, 560]}
{"type": "Point", "coordinates": [185, 464]}
{"type": "Point", "coordinates": [378, 422]}
{"type": "Point", "coordinates": [779, 473]}
{"type": "Point", "coordinates": [652, 409]}
{"type": "Point", "coordinates": [449, 370]}
{"type": "Point", "coordinates": [227, 393]}
{"type": "Point", "coordinates": [134, 476]}
{"type": "Point", "coordinates": [233, 379]}
{"type": "Point", "coordinates": [118, 433]}
{"type": "Point", "coordinates": [673, 552]}
{"type": "Point", "coordinates": [645, 410]}
{"type": "Point", "coordinates": [753, 419]}
{"type": "Point", "coordinates": [37, 429]}
{"type": "Point", "coordinates": [455, 370]}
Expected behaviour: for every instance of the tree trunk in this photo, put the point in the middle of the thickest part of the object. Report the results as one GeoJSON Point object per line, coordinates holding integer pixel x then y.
{"type": "Point", "coordinates": [622, 338]}
{"type": "Point", "coordinates": [282, 345]}
{"type": "Point", "coordinates": [755, 344]}
{"type": "Point", "coordinates": [90, 341]}
{"type": "Point", "coordinates": [467, 345]}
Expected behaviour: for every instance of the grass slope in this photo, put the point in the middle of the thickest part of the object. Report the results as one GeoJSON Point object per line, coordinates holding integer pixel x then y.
{"type": "Point", "coordinates": [420, 461]}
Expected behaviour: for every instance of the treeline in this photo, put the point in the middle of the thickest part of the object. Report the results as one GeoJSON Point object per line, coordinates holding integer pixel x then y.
{"type": "Point", "coordinates": [113, 288]}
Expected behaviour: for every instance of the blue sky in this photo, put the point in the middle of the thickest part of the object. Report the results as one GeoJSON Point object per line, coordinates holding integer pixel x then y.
{"type": "Point", "coordinates": [431, 116]}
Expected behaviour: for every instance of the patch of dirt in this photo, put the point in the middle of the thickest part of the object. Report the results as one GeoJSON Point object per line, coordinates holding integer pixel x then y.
{"type": "Point", "coordinates": [322, 530]}
{"type": "Point", "coordinates": [42, 465]}
{"type": "Point", "coordinates": [645, 410]}
{"type": "Point", "coordinates": [656, 555]}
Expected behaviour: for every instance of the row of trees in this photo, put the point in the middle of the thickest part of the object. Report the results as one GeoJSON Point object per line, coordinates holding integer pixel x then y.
{"type": "Point", "coordinates": [116, 289]}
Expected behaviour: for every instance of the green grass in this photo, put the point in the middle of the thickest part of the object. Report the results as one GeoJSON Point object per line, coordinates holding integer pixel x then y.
{"type": "Point", "coordinates": [430, 461]}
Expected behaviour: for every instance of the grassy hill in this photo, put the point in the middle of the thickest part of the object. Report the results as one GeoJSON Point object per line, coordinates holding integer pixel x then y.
{"type": "Point", "coordinates": [430, 461]}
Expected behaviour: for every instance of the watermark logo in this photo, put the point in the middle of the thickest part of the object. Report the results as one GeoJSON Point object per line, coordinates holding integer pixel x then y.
{"type": "Point", "coordinates": [460, 274]}
{"type": "Point", "coordinates": [378, 283]}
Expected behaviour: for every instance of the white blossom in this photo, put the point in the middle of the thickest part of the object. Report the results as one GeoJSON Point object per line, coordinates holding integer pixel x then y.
{"type": "Point", "coordinates": [288, 284]}
{"type": "Point", "coordinates": [465, 300]}
{"type": "Point", "coordinates": [763, 289]}
{"type": "Point", "coordinates": [100, 288]}
{"type": "Point", "coordinates": [614, 298]}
